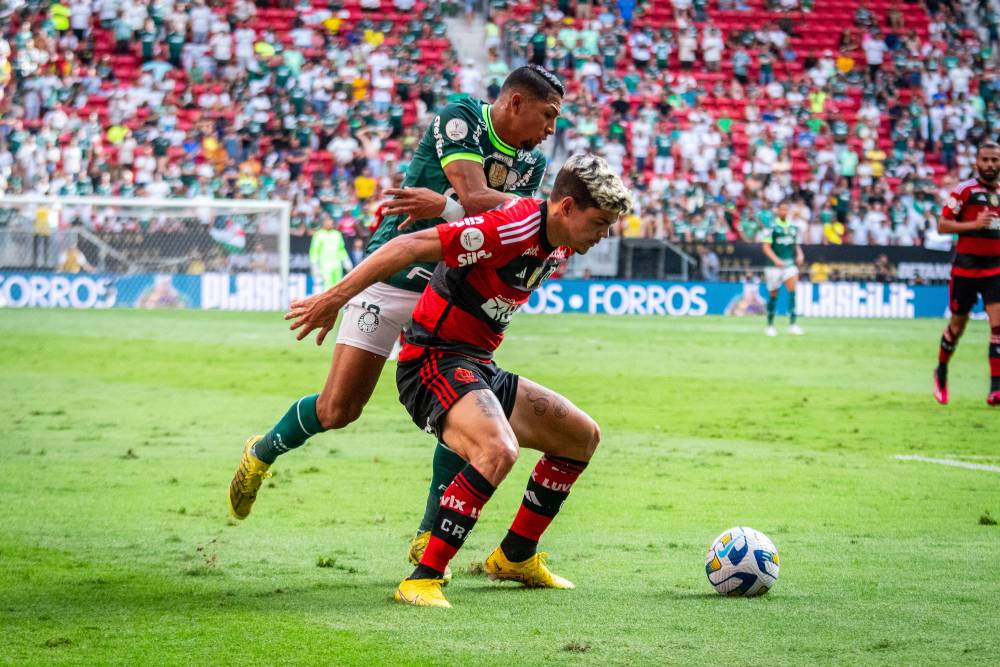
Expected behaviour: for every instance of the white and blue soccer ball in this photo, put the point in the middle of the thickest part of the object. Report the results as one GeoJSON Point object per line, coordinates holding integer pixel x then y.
{"type": "Point", "coordinates": [742, 562]}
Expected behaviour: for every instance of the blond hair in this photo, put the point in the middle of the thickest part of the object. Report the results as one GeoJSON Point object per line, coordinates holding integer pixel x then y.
{"type": "Point", "coordinates": [591, 182]}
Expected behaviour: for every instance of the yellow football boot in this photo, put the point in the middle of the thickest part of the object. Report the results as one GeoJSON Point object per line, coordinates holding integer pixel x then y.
{"type": "Point", "coordinates": [246, 482]}
{"type": "Point", "coordinates": [422, 593]}
{"type": "Point", "coordinates": [532, 572]}
{"type": "Point", "coordinates": [417, 546]}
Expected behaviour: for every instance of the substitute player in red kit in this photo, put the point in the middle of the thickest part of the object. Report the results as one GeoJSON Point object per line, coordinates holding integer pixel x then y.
{"type": "Point", "coordinates": [490, 264]}
{"type": "Point", "coordinates": [973, 212]}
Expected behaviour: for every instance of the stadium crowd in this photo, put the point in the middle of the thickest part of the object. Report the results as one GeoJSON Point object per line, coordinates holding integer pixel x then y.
{"type": "Point", "coordinates": [862, 113]}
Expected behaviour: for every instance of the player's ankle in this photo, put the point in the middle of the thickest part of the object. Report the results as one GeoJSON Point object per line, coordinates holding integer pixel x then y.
{"type": "Point", "coordinates": [425, 572]}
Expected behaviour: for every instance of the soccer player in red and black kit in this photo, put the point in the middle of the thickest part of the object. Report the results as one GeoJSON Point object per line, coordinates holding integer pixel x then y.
{"type": "Point", "coordinates": [973, 212]}
{"type": "Point", "coordinates": [489, 265]}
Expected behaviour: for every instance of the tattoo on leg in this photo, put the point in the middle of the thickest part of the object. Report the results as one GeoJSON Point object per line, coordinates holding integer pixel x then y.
{"type": "Point", "coordinates": [488, 405]}
{"type": "Point", "coordinates": [540, 404]}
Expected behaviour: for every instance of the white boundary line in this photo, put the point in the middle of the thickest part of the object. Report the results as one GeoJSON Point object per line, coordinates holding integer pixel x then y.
{"type": "Point", "coordinates": [949, 462]}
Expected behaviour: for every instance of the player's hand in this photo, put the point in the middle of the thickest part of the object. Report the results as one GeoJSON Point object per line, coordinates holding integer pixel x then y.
{"type": "Point", "coordinates": [316, 312]}
{"type": "Point", "coordinates": [780, 264]}
{"type": "Point", "coordinates": [984, 220]}
{"type": "Point", "coordinates": [414, 203]}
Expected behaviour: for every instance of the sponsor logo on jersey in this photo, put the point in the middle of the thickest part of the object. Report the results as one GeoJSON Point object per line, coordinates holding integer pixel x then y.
{"type": "Point", "coordinates": [500, 157]}
{"type": "Point", "coordinates": [465, 376]}
{"type": "Point", "coordinates": [467, 258]}
{"type": "Point", "coordinates": [456, 129]}
{"type": "Point", "coordinates": [472, 239]}
{"type": "Point", "coordinates": [531, 252]}
{"type": "Point", "coordinates": [500, 309]}
{"type": "Point", "coordinates": [468, 222]}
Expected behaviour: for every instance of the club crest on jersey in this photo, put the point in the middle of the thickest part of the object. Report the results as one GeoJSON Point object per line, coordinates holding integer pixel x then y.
{"type": "Point", "coordinates": [497, 175]}
{"type": "Point", "coordinates": [472, 239]}
{"type": "Point", "coordinates": [500, 309]}
{"type": "Point", "coordinates": [465, 376]}
{"type": "Point", "coordinates": [512, 179]}
{"type": "Point", "coordinates": [368, 322]}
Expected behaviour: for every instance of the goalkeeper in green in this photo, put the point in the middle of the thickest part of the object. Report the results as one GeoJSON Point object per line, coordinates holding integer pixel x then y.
{"type": "Point", "coordinates": [328, 256]}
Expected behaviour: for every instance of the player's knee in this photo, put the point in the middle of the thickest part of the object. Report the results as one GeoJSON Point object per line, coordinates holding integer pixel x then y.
{"type": "Point", "coordinates": [496, 458]}
{"type": "Point", "coordinates": [590, 439]}
{"type": "Point", "coordinates": [337, 414]}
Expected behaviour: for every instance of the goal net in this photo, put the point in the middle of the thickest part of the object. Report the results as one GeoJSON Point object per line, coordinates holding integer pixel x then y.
{"type": "Point", "coordinates": [109, 251]}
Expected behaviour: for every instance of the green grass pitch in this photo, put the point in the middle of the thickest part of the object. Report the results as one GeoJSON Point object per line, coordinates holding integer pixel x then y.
{"type": "Point", "coordinates": [121, 430]}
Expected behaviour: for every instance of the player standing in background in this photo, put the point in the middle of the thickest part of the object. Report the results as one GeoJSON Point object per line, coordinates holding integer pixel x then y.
{"type": "Point", "coordinates": [785, 253]}
{"type": "Point", "coordinates": [447, 378]}
{"type": "Point", "coordinates": [973, 212]}
{"type": "Point", "coordinates": [482, 155]}
{"type": "Point", "coordinates": [327, 254]}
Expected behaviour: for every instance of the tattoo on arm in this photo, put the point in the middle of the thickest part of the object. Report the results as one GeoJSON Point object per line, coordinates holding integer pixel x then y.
{"type": "Point", "coordinates": [488, 404]}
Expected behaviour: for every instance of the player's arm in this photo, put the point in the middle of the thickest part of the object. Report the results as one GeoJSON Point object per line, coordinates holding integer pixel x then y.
{"type": "Point", "coordinates": [948, 225]}
{"type": "Point", "coordinates": [320, 311]}
{"type": "Point", "coordinates": [469, 181]}
{"type": "Point", "coordinates": [769, 253]}
{"type": "Point", "coordinates": [800, 257]}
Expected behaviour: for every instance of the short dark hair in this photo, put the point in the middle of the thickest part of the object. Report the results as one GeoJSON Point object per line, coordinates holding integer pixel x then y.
{"type": "Point", "coordinates": [537, 82]}
{"type": "Point", "coordinates": [989, 143]}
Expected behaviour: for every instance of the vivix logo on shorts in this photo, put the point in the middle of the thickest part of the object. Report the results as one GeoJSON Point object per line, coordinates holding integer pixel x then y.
{"type": "Point", "coordinates": [465, 375]}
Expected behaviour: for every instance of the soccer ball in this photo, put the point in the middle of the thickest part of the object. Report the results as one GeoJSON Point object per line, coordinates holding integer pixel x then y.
{"type": "Point", "coordinates": [742, 562]}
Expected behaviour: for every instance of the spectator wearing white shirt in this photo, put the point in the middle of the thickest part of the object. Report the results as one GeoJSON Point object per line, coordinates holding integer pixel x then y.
{"type": "Point", "coordinates": [712, 47]}
{"type": "Point", "coordinates": [874, 47]}
{"type": "Point", "coordinates": [470, 78]}
{"type": "Point", "coordinates": [201, 21]}
{"type": "Point", "coordinates": [614, 153]}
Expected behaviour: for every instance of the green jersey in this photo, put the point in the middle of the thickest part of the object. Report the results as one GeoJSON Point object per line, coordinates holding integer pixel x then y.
{"type": "Point", "coordinates": [463, 130]}
{"type": "Point", "coordinates": [784, 236]}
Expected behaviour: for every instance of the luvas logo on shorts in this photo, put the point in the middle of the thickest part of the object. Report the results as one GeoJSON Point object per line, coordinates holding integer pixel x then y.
{"type": "Point", "coordinates": [465, 375]}
{"type": "Point", "coordinates": [368, 322]}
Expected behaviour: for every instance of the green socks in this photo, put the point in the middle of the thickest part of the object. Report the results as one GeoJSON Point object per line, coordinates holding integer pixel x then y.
{"type": "Point", "coordinates": [446, 465]}
{"type": "Point", "coordinates": [291, 431]}
{"type": "Point", "coordinates": [772, 305]}
{"type": "Point", "coordinates": [791, 308]}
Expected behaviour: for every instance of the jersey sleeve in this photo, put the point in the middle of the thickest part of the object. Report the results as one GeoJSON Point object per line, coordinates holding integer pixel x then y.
{"type": "Point", "coordinates": [533, 179]}
{"type": "Point", "coordinates": [455, 130]}
{"type": "Point", "coordinates": [953, 206]}
{"type": "Point", "coordinates": [492, 238]}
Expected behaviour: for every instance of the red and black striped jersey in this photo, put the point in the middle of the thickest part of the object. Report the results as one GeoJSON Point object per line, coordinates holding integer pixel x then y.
{"type": "Point", "coordinates": [492, 262]}
{"type": "Point", "coordinates": [977, 254]}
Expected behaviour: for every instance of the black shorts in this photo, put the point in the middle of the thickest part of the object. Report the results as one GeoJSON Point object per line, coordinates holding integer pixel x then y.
{"type": "Point", "coordinates": [431, 384]}
{"type": "Point", "coordinates": [963, 292]}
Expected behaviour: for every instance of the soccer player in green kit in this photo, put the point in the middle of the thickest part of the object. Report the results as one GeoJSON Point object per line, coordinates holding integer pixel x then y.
{"type": "Point", "coordinates": [786, 255]}
{"type": "Point", "coordinates": [476, 154]}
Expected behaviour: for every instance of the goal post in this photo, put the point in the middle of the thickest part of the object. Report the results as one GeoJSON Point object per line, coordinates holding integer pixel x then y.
{"type": "Point", "coordinates": [192, 241]}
